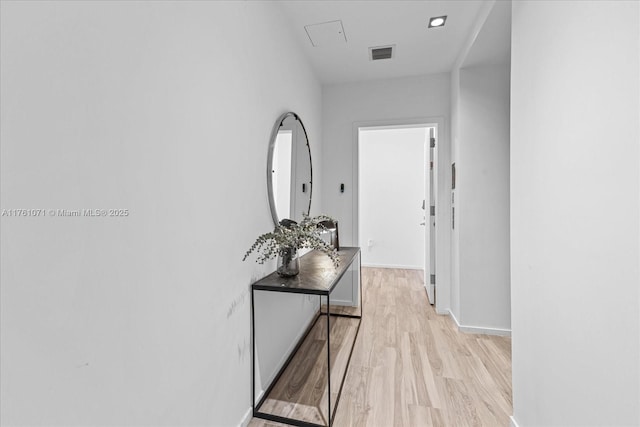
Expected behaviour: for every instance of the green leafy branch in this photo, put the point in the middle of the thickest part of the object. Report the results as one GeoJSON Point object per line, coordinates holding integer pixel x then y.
{"type": "Point", "coordinates": [291, 235]}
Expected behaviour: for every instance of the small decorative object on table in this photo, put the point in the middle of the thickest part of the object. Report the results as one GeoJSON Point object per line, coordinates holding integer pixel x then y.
{"type": "Point", "coordinates": [289, 236]}
{"type": "Point", "coordinates": [331, 228]}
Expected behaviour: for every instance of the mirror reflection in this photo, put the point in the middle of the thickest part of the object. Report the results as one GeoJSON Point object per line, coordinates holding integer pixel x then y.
{"type": "Point", "coordinates": [289, 175]}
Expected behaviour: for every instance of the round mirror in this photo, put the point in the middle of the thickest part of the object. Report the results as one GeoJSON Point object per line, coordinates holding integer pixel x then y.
{"type": "Point", "coordinates": [289, 177]}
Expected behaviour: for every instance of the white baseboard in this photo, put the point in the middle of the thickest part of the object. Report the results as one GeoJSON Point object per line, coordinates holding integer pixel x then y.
{"type": "Point", "coordinates": [343, 302]}
{"type": "Point", "coordinates": [403, 267]}
{"type": "Point", "coordinates": [244, 422]}
{"type": "Point", "coordinates": [512, 422]}
{"type": "Point", "coordinates": [480, 329]}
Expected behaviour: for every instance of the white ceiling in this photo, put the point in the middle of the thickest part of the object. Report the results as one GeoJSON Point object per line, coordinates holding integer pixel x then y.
{"type": "Point", "coordinates": [419, 50]}
{"type": "Point", "coordinates": [493, 43]}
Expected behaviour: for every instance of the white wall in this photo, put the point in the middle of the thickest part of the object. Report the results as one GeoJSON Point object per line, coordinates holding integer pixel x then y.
{"type": "Point", "coordinates": [454, 293]}
{"type": "Point", "coordinates": [165, 109]}
{"type": "Point", "coordinates": [378, 102]}
{"type": "Point", "coordinates": [392, 188]}
{"type": "Point", "coordinates": [480, 290]}
{"type": "Point", "coordinates": [482, 197]}
{"type": "Point", "coordinates": [575, 212]}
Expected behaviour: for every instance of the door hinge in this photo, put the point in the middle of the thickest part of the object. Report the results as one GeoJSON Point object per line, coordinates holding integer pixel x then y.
{"type": "Point", "coordinates": [433, 142]}
{"type": "Point", "coordinates": [433, 279]}
{"type": "Point", "coordinates": [433, 211]}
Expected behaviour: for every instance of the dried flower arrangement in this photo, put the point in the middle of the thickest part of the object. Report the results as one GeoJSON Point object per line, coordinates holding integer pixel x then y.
{"type": "Point", "coordinates": [290, 235]}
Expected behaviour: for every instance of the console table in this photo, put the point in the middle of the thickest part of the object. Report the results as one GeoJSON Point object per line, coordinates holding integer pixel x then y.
{"type": "Point", "coordinates": [297, 395]}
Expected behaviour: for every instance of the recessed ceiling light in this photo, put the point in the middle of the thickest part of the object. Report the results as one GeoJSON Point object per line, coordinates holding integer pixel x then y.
{"type": "Point", "coordinates": [437, 21]}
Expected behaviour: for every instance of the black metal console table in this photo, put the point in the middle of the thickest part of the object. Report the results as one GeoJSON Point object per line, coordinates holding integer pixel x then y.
{"type": "Point", "coordinates": [317, 277]}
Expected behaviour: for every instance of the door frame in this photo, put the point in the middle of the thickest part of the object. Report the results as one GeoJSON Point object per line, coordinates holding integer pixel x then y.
{"type": "Point", "coordinates": [441, 178]}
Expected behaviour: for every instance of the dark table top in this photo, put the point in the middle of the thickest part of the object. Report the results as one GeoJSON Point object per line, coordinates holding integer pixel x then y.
{"type": "Point", "coordinates": [317, 274]}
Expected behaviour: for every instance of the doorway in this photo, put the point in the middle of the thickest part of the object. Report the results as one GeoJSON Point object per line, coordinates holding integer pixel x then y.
{"type": "Point", "coordinates": [396, 198]}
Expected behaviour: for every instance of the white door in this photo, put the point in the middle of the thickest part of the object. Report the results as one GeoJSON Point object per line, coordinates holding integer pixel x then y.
{"type": "Point", "coordinates": [430, 219]}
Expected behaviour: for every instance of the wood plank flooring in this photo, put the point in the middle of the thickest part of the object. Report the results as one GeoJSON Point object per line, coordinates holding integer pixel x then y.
{"type": "Point", "coordinates": [411, 367]}
{"type": "Point", "coordinates": [341, 309]}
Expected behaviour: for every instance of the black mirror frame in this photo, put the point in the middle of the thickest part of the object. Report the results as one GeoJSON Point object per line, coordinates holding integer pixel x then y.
{"type": "Point", "coordinates": [272, 144]}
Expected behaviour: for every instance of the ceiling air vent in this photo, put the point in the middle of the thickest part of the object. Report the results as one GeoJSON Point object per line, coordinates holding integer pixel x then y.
{"type": "Point", "coordinates": [381, 52]}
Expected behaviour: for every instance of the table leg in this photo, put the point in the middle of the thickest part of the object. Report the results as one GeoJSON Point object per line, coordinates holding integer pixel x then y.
{"type": "Point", "coordinates": [329, 359]}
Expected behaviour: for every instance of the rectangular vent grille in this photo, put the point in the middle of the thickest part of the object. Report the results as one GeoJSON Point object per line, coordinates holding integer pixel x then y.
{"type": "Point", "coordinates": [381, 53]}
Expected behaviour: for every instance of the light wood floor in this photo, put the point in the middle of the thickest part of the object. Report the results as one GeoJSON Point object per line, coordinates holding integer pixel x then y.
{"type": "Point", "coordinates": [411, 367]}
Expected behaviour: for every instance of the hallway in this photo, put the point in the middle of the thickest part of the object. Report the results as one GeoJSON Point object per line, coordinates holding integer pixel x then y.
{"type": "Point", "coordinates": [411, 367]}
